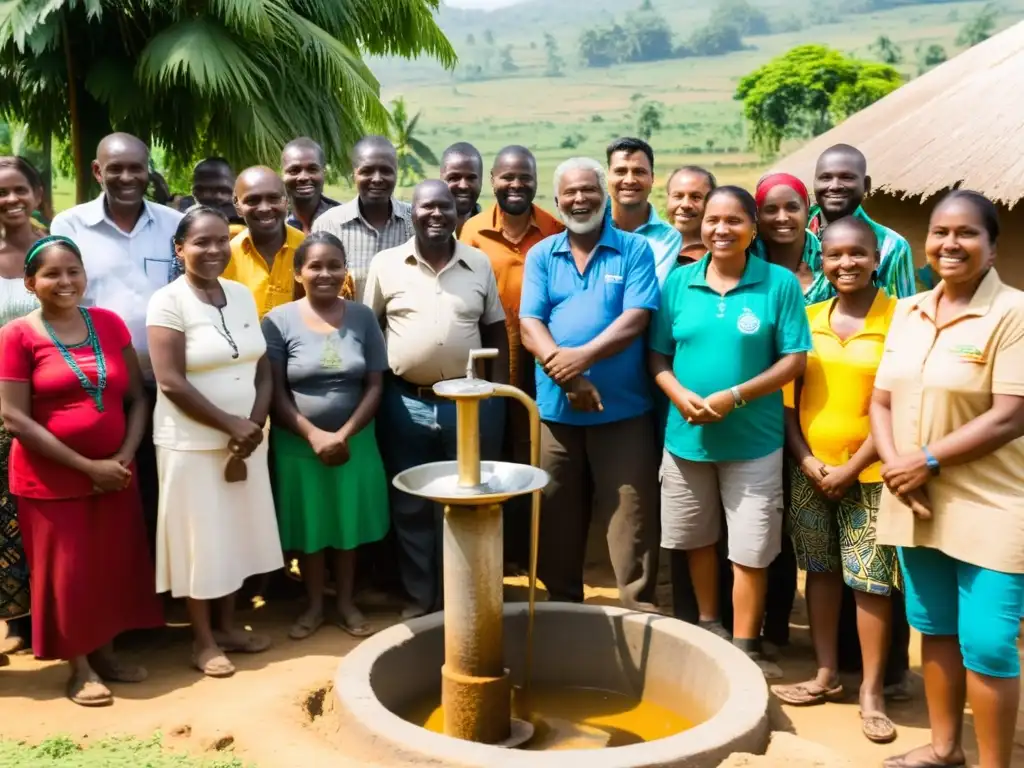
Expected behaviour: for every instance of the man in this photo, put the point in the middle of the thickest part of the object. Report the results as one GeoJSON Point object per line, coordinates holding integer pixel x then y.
{"type": "Point", "coordinates": [630, 180]}
{"type": "Point", "coordinates": [437, 300]}
{"type": "Point", "coordinates": [302, 168]}
{"type": "Point", "coordinates": [374, 221]}
{"type": "Point", "coordinates": [588, 295]}
{"type": "Point", "coordinates": [462, 169]}
{"type": "Point", "coordinates": [687, 191]}
{"type": "Point", "coordinates": [126, 247]}
{"type": "Point", "coordinates": [213, 184]}
{"type": "Point", "coordinates": [262, 254]}
{"type": "Point", "coordinates": [841, 183]}
{"type": "Point", "coordinates": [506, 233]}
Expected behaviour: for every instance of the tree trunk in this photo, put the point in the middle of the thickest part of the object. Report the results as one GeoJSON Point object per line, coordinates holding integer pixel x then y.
{"type": "Point", "coordinates": [81, 180]}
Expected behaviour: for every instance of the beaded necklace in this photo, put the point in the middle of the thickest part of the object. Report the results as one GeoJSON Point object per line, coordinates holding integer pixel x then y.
{"type": "Point", "coordinates": [95, 391]}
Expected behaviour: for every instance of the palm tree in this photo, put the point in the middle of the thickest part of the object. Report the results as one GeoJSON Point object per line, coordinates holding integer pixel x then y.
{"type": "Point", "coordinates": [412, 153]}
{"type": "Point", "coordinates": [235, 77]}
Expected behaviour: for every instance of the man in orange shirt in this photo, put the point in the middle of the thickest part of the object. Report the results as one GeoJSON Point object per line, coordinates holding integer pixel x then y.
{"type": "Point", "coordinates": [506, 233]}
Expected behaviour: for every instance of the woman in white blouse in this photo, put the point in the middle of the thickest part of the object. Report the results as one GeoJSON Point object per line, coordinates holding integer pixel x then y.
{"type": "Point", "coordinates": [216, 524]}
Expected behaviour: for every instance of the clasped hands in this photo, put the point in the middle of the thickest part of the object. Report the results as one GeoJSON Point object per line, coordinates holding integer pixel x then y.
{"type": "Point", "coordinates": [705, 410]}
{"type": "Point", "coordinates": [330, 447]}
{"type": "Point", "coordinates": [905, 476]}
{"type": "Point", "coordinates": [245, 437]}
{"type": "Point", "coordinates": [565, 366]}
{"type": "Point", "coordinates": [109, 475]}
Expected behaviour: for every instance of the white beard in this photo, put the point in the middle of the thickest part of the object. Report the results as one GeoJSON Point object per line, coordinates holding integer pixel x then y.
{"type": "Point", "coordinates": [586, 226]}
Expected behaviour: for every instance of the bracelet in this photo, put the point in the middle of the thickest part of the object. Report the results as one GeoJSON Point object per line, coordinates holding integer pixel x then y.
{"type": "Point", "coordinates": [737, 397]}
{"type": "Point", "coordinates": [933, 464]}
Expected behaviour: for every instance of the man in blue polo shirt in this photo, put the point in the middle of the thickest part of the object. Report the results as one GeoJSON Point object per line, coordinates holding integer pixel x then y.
{"type": "Point", "coordinates": [588, 295]}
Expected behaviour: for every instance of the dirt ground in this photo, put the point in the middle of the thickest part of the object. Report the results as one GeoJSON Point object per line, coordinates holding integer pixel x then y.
{"type": "Point", "coordinates": [263, 712]}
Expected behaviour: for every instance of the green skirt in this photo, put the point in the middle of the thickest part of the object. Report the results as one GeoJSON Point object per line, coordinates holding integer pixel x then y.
{"type": "Point", "coordinates": [321, 507]}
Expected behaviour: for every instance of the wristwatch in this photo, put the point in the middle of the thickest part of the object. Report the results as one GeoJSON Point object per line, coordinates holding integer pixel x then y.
{"type": "Point", "coordinates": [931, 461]}
{"type": "Point", "coordinates": [737, 397]}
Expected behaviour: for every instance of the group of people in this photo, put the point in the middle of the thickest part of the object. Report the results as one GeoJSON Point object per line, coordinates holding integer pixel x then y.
{"type": "Point", "coordinates": [753, 384]}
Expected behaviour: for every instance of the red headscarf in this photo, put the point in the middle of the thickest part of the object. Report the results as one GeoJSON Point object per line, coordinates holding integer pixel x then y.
{"type": "Point", "coordinates": [772, 180]}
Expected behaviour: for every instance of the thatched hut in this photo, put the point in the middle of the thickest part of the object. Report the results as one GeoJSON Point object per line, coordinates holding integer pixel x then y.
{"type": "Point", "coordinates": [959, 125]}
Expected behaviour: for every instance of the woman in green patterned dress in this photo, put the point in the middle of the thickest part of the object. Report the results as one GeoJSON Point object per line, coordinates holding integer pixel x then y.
{"type": "Point", "coordinates": [21, 192]}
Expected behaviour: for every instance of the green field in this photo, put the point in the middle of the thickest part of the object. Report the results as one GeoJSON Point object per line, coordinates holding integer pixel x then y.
{"type": "Point", "coordinates": [587, 108]}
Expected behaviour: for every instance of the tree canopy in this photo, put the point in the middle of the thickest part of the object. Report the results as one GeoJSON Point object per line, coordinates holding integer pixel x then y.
{"type": "Point", "coordinates": [238, 78]}
{"type": "Point", "coordinates": [807, 90]}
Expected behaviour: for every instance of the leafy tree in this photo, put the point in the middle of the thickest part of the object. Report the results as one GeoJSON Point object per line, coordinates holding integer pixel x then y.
{"type": "Point", "coordinates": [979, 27]}
{"type": "Point", "coordinates": [470, 39]}
{"type": "Point", "coordinates": [930, 57]}
{"type": "Point", "coordinates": [648, 120]}
{"type": "Point", "coordinates": [507, 63]}
{"type": "Point", "coordinates": [555, 62]}
{"type": "Point", "coordinates": [719, 37]}
{"type": "Point", "coordinates": [488, 37]}
{"type": "Point", "coordinates": [602, 46]}
{"type": "Point", "coordinates": [807, 90]}
{"type": "Point", "coordinates": [412, 153]}
{"type": "Point", "coordinates": [750, 20]}
{"type": "Point", "coordinates": [649, 36]}
{"type": "Point", "coordinates": [886, 50]}
{"type": "Point", "coordinates": [231, 77]}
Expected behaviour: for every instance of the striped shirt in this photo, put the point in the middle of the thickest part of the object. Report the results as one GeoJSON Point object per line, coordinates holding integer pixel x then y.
{"type": "Point", "coordinates": [361, 240]}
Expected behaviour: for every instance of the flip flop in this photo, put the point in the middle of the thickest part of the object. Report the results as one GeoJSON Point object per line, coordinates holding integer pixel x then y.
{"type": "Point", "coordinates": [807, 694]}
{"type": "Point", "coordinates": [877, 728]}
{"type": "Point", "coordinates": [253, 643]}
{"type": "Point", "coordinates": [112, 670]}
{"type": "Point", "coordinates": [361, 629]}
{"type": "Point", "coordinates": [931, 760]}
{"type": "Point", "coordinates": [305, 626]}
{"type": "Point", "coordinates": [213, 663]}
{"type": "Point", "coordinates": [88, 693]}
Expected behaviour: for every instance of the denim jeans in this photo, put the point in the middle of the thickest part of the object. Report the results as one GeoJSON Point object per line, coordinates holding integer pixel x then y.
{"type": "Point", "coordinates": [413, 431]}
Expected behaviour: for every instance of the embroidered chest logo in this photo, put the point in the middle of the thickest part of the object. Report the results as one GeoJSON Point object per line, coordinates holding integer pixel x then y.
{"type": "Point", "coordinates": [748, 322]}
{"type": "Point", "coordinates": [330, 358]}
{"type": "Point", "coordinates": [969, 353]}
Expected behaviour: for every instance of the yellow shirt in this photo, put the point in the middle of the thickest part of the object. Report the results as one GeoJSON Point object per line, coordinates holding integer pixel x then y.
{"type": "Point", "coordinates": [940, 378]}
{"type": "Point", "coordinates": [270, 286]}
{"type": "Point", "coordinates": [837, 385]}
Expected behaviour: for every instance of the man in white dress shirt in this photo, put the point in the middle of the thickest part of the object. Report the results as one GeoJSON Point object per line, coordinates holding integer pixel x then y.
{"type": "Point", "coordinates": [127, 251]}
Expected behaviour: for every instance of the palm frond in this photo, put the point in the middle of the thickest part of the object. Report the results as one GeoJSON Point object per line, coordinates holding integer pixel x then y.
{"type": "Point", "coordinates": [423, 151]}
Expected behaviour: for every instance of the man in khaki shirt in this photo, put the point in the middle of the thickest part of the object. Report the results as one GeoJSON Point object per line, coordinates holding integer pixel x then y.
{"type": "Point", "coordinates": [437, 299]}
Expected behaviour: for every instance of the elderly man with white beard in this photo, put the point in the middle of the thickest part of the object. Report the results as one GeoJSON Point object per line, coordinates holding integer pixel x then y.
{"type": "Point", "coordinates": [588, 295]}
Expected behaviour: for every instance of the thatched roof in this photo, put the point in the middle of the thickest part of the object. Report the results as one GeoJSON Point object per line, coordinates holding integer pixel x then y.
{"type": "Point", "coordinates": [962, 122]}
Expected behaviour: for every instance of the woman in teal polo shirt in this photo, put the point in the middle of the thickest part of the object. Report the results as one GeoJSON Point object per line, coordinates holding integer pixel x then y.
{"type": "Point", "coordinates": [731, 332]}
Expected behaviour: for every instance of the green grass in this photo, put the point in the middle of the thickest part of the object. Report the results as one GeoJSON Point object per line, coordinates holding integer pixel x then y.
{"type": "Point", "coordinates": [119, 752]}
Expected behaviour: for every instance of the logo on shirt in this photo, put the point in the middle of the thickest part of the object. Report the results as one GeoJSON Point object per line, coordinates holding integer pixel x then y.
{"type": "Point", "coordinates": [613, 278]}
{"type": "Point", "coordinates": [748, 322]}
{"type": "Point", "coordinates": [969, 353]}
{"type": "Point", "coordinates": [330, 358]}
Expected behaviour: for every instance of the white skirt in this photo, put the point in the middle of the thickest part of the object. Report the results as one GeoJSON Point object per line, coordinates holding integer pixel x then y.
{"type": "Point", "coordinates": [212, 535]}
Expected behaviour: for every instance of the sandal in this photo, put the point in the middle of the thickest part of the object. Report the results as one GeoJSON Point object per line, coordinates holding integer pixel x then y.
{"type": "Point", "coordinates": [252, 642]}
{"type": "Point", "coordinates": [877, 727]}
{"type": "Point", "coordinates": [111, 670]}
{"type": "Point", "coordinates": [305, 626]}
{"type": "Point", "coordinates": [355, 624]}
{"type": "Point", "coordinates": [88, 692]}
{"type": "Point", "coordinates": [808, 694]}
{"type": "Point", "coordinates": [4, 660]}
{"type": "Point", "coordinates": [930, 760]}
{"type": "Point", "coordinates": [213, 663]}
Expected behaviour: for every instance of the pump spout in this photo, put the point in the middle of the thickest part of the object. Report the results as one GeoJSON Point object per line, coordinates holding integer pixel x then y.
{"type": "Point", "coordinates": [478, 354]}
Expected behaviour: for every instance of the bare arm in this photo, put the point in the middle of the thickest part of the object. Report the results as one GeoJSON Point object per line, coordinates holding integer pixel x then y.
{"type": "Point", "coordinates": [620, 334]}
{"type": "Point", "coordinates": [139, 411]}
{"type": "Point", "coordinates": [979, 437]}
{"type": "Point", "coordinates": [495, 335]}
{"type": "Point", "coordinates": [796, 443]}
{"type": "Point", "coordinates": [264, 392]}
{"type": "Point", "coordinates": [536, 338]}
{"type": "Point", "coordinates": [167, 351]}
{"type": "Point", "coordinates": [661, 369]}
{"type": "Point", "coordinates": [373, 388]}
{"type": "Point", "coordinates": [16, 410]}
{"type": "Point", "coordinates": [881, 425]}
{"type": "Point", "coordinates": [286, 415]}
{"type": "Point", "coordinates": [785, 370]}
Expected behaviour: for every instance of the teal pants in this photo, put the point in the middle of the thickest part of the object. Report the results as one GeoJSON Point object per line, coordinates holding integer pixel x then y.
{"type": "Point", "coordinates": [981, 607]}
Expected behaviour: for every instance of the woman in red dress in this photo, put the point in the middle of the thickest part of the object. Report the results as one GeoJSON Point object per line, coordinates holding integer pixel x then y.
{"type": "Point", "coordinates": [66, 373]}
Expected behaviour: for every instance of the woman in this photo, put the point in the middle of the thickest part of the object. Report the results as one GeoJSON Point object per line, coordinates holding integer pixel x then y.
{"type": "Point", "coordinates": [21, 192]}
{"type": "Point", "coordinates": [783, 237]}
{"type": "Point", "coordinates": [215, 522]}
{"type": "Point", "coordinates": [947, 416]}
{"type": "Point", "coordinates": [687, 191]}
{"type": "Point", "coordinates": [66, 373]}
{"type": "Point", "coordinates": [723, 440]}
{"type": "Point", "coordinates": [327, 355]}
{"type": "Point", "coordinates": [836, 480]}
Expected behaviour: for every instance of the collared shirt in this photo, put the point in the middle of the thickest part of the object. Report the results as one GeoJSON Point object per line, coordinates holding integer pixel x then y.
{"type": "Point", "coordinates": [484, 231]}
{"type": "Point", "coordinates": [576, 308]}
{"type": "Point", "coordinates": [835, 390]}
{"type": "Point", "coordinates": [940, 377]}
{"type": "Point", "coordinates": [432, 319]}
{"type": "Point", "coordinates": [820, 289]}
{"type": "Point", "coordinates": [325, 205]}
{"type": "Point", "coordinates": [271, 285]}
{"type": "Point", "coordinates": [717, 342]}
{"type": "Point", "coordinates": [124, 268]}
{"type": "Point", "coordinates": [896, 268]}
{"type": "Point", "coordinates": [664, 239]}
{"type": "Point", "coordinates": [361, 240]}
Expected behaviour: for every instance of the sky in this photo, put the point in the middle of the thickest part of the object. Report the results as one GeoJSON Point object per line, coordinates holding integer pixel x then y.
{"type": "Point", "coordinates": [480, 4]}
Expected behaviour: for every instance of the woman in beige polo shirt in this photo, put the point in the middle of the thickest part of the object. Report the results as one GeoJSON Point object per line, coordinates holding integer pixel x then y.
{"type": "Point", "coordinates": [947, 417]}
